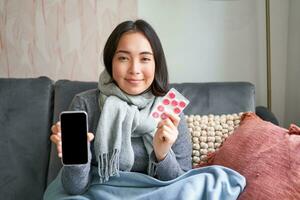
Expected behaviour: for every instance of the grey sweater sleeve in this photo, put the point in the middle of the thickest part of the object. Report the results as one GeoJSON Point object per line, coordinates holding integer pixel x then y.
{"type": "Point", "coordinates": [178, 161]}
{"type": "Point", "coordinates": [75, 179]}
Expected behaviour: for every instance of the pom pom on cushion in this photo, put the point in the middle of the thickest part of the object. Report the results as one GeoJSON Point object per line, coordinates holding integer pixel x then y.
{"type": "Point", "coordinates": [208, 132]}
{"type": "Point", "coordinates": [267, 155]}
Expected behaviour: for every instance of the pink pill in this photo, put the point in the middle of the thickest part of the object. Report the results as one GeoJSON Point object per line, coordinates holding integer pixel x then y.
{"type": "Point", "coordinates": [177, 110]}
{"type": "Point", "coordinates": [174, 103]}
{"type": "Point", "coordinates": [182, 104]}
{"type": "Point", "coordinates": [155, 115]}
{"type": "Point", "coordinates": [160, 108]}
{"type": "Point", "coordinates": [166, 101]}
{"type": "Point", "coordinates": [172, 95]}
{"type": "Point", "coordinates": [164, 116]}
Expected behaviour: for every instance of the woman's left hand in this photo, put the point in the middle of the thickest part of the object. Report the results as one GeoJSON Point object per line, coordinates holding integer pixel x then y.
{"type": "Point", "coordinates": [165, 136]}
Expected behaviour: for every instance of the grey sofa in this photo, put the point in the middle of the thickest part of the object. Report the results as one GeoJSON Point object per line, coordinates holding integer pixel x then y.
{"type": "Point", "coordinates": [28, 108]}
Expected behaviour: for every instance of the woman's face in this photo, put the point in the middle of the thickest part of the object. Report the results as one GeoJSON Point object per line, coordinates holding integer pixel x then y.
{"type": "Point", "coordinates": [133, 64]}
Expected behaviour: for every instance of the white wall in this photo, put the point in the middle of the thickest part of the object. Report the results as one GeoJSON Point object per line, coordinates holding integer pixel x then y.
{"type": "Point", "coordinates": [211, 40]}
{"type": "Point", "coordinates": [279, 14]}
{"type": "Point", "coordinates": [221, 40]}
{"type": "Point", "coordinates": [293, 66]}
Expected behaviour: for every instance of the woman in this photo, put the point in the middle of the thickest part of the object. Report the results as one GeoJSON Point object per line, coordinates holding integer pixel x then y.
{"type": "Point", "coordinates": [136, 73]}
{"type": "Point", "coordinates": [128, 141]}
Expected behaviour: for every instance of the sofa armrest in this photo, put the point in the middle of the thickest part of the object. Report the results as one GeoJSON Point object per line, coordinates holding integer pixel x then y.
{"type": "Point", "coordinates": [266, 114]}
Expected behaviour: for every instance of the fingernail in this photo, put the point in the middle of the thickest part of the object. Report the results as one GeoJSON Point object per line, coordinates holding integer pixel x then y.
{"type": "Point", "coordinates": [59, 142]}
{"type": "Point", "coordinates": [60, 155]}
{"type": "Point", "coordinates": [59, 133]}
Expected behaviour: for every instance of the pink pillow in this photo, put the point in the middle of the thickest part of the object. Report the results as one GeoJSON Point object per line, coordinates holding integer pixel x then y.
{"type": "Point", "coordinates": [267, 155]}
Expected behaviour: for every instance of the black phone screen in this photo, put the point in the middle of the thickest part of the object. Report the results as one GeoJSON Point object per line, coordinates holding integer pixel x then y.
{"type": "Point", "coordinates": [74, 138]}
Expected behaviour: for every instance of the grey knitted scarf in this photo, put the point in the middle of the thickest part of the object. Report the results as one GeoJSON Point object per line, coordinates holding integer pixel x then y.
{"type": "Point", "coordinates": [122, 117]}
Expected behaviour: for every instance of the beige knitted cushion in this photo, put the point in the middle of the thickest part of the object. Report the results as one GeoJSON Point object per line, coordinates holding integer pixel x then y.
{"type": "Point", "coordinates": [208, 133]}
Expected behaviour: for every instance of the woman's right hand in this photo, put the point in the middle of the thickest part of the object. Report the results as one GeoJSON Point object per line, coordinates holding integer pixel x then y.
{"type": "Point", "coordinates": [56, 137]}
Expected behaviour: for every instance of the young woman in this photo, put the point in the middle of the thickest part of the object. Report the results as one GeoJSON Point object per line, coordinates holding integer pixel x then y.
{"type": "Point", "coordinates": [125, 140]}
{"type": "Point", "coordinates": [123, 137]}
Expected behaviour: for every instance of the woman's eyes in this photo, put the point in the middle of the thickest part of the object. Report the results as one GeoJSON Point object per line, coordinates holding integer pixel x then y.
{"type": "Point", "coordinates": [146, 59]}
{"type": "Point", "coordinates": [122, 58]}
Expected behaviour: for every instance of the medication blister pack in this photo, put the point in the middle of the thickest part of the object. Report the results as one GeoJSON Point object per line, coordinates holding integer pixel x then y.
{"type": "Point", "coordinates": [172, 102]}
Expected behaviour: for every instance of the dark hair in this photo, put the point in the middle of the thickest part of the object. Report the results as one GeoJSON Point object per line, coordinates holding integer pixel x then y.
{"type": "Point", "coordinates": [160, 83]}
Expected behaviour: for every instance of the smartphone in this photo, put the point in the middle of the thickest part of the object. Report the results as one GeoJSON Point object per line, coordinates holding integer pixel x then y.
{"type": "Point", "coordinates": [74, 128]}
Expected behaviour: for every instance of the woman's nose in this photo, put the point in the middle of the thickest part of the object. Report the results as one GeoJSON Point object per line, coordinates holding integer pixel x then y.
{"type": "Point", "coordinates": [135, 67]}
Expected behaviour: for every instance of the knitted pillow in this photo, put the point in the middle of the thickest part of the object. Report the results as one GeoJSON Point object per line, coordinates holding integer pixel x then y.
{"type": "Point", "coordinates": [267, 155]}
{"type": "Point", "coordinates": [208, 133]}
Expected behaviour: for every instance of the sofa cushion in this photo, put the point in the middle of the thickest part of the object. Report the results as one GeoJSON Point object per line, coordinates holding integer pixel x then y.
{"type": "Point", "coordinates": [208, 132]}
{"type": "Point", "coordinates": [218, 98]}
{"type": "Point", "coordinates": [25, 120]}
{"type": "Point", "coordinates": [267, 155]}
{"type": "Point", "coordinates": [64, 91]}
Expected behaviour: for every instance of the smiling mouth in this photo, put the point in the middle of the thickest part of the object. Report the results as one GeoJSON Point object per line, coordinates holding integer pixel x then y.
{"type": "Point", "coordinates": [134, 81]}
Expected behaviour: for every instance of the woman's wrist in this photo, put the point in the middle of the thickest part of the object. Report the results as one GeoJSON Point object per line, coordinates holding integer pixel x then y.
{"type": "Point", "coordinates": [160, 157]}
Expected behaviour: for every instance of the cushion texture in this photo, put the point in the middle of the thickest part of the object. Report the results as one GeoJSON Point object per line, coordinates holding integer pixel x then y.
{"type": "Point", "coordinates": [25, 120]}
{"type": "Point", "coordinates": [208, 132]}
{"type": "Point", "coordinates": [267, 155]}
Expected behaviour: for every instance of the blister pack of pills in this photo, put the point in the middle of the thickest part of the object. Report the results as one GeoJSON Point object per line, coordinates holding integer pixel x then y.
{"type": "Point", "coordinates": [172, 102]}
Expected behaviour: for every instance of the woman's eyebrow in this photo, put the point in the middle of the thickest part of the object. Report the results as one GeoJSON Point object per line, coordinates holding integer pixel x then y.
{"type": "Point", "coordinates": [128, 52]}
{"type": "Point", "coordinates": [146, 52]}
{"type": "Point", "coordinates": [122, 51]}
